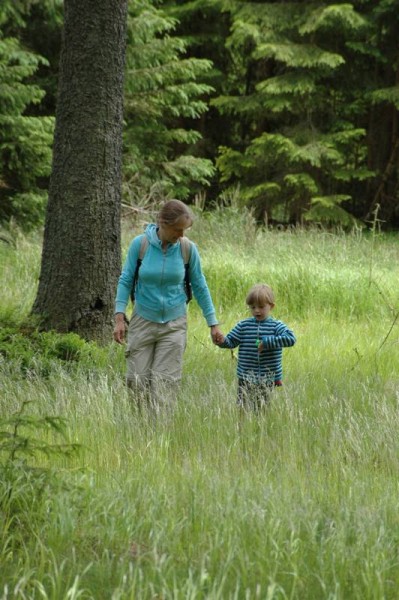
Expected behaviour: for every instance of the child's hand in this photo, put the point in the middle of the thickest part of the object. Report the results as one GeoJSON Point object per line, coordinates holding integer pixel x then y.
{"type": "Point", "coordinates": [260, 347]}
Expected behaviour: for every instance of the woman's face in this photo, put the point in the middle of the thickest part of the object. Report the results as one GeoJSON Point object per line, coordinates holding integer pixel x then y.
{"type": "Point", "coordinates": [171, 233]}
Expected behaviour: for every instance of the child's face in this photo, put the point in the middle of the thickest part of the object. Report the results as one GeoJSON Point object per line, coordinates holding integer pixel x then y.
{"type": "Point", "coordinates": [260, 312]}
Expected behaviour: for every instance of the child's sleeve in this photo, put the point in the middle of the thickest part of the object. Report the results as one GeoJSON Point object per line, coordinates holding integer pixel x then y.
{"type": "Point", "coordinates": [233, 338]}
{"type": "Point", "coordinates": [283, 337]}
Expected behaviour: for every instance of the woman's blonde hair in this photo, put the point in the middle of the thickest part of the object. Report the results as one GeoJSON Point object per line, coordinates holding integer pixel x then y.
{"type": "Point", "coordinates": [172, 211]}
{"type": "Point", "coordinates": [260, 295]}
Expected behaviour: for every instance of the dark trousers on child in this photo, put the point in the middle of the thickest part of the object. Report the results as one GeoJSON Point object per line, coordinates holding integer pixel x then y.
{"type": "Point", "coordinates": [254, 396]}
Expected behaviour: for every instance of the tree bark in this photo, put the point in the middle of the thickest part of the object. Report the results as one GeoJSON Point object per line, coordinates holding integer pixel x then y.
{"type": "Point", "coordinates": [81, 248]}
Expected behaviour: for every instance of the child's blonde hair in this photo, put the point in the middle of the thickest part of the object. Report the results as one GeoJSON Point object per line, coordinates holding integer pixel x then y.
{"type": "Point", "coordinates": [260, 295]}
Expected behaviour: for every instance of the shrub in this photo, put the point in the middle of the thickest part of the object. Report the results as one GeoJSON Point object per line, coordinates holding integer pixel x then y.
{"type": "Point", "coordinates": [33, 352]}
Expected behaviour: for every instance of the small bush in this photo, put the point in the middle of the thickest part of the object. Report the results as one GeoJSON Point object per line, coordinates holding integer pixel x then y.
{"type": "Point", "coordinates": [34, 352]}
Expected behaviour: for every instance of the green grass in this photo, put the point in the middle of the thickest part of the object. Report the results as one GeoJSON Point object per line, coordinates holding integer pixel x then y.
{"type": "Point", "coordinates": [301, 503]}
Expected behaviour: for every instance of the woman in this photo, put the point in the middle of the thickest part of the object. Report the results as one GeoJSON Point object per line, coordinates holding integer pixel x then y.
{"type": "Point", "coordinates": [158, 328]}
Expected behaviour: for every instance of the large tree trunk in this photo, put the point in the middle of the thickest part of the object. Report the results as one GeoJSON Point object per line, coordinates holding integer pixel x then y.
{"type": "Point", "coordinates": [81, 249]}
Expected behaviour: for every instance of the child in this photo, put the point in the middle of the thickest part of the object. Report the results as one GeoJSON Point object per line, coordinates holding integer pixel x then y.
{"type": "Point", "coordinates": [261, 340]}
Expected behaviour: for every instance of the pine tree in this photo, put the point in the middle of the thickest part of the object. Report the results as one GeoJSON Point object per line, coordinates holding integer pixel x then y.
{"type": "Point", "coordinates": [204, 26]}
{"type": "Point", "coordinates": [162, 93]}
{"type": "Point", "coordinates": [298, 101]}
{"type": "Point", "coordinates": [81, 249]}
{"type": "Point", "coordinates": [25, 137]}
{"type": "Point", "coordinates": [382, 96]}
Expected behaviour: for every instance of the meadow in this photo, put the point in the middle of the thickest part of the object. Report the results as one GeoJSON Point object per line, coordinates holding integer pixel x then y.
{"type": "Point", "coordinates": [300, 503]}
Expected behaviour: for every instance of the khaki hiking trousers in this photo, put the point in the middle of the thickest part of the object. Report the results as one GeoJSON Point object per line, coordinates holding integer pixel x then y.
{"type": "Point", "coordinates": [154, 359]}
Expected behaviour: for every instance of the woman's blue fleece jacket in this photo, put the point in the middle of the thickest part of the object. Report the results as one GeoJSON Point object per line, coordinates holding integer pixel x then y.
{"type": "Point", "coordinates": [160, 295]}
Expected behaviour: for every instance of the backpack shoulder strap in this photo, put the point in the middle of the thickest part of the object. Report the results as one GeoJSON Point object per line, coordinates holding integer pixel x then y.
{"type": "Point", "coordinates": [142, 251]}
{"type": "Point", "coordinates": [185, 247]}
{"type": "Point", "coordinates": [143, 247]}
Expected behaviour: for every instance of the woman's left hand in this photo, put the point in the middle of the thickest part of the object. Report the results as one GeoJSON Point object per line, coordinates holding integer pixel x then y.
{"type": "Point", "coordinates": [216, 334]}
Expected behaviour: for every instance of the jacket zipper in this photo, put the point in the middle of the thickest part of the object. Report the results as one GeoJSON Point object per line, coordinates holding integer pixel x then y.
{"type": "Point", "coordinates": [162, 277]}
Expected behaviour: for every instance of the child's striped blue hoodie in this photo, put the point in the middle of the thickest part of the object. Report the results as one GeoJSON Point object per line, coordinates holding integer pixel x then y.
{"type": "Point", "coordinates": [260, 367]}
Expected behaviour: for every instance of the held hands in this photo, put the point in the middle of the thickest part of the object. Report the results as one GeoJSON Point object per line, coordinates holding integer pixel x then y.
{"type": "Point", "coordinates": [216, 335]}
{"type": "Point", "coordinates": [120, 331]}
{"type": "Point", "coordinates": [120, 328]}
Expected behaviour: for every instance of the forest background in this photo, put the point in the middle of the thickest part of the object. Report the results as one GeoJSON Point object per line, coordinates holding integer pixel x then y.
{"type": "Point", "coordinates": [288, 110]}
{"type": "Point", "coordinates": [292, 106]}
